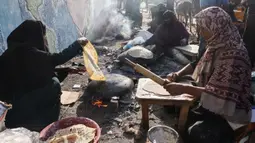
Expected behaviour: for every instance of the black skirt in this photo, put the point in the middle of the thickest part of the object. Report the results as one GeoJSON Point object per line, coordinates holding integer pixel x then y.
{"type": "Point", "coordinates": [204, 126]}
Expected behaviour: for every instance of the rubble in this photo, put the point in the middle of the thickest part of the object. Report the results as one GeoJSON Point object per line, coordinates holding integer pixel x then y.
{"type": "Point", "coordinates": [77, 86]}
{"type": "Point", "coordinates": [130, 130]}
{"type": "Point", "coordinates": [110, 132]}
{"type": "Point", "coordinates": [118, 120]}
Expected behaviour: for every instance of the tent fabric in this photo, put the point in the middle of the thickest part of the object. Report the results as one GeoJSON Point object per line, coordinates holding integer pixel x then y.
{"type": "Point", "coordinates": [207, 3]}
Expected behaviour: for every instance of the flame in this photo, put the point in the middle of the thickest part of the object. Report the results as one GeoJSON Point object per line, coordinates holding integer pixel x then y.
{"type": "Point", "coordinates": [99, 103]}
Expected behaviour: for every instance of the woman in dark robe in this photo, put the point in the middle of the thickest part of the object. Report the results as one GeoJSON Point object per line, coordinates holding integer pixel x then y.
{"type": "Point", "coordinates": [29, 80]}
{"type": "Point", "coordinates": [168, 35]}
{"type": "Point", "coordinates": [133, 12]}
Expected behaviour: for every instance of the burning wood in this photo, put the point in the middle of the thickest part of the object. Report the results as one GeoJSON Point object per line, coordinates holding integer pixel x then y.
{"type": "Point", "coordinates": [99, 104]}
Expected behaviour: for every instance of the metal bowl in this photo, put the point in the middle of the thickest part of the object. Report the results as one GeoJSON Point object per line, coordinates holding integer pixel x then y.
{"type": "Point", "coordinates": [163, 134]}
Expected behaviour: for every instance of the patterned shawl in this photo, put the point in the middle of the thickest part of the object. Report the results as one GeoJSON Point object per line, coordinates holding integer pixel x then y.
{"type": "Point", "coordinates": [225, 69]}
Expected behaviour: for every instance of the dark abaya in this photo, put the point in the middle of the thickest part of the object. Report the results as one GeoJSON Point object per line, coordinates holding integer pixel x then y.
{"type": "Point", "coordinates": [30, 83]}
{"type": "Point", "coordinates": [169, 34]}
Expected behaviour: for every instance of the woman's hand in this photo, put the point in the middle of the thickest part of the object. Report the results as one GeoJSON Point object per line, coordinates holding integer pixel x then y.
{"type": "Point", "coordinates": [175, 88]}
{"type": "Point", "coordinates": [172, 76]}
{"type": "Point", "coordinates": [83, 41]}
{"type": "Point", "coordinates": [178, 89]}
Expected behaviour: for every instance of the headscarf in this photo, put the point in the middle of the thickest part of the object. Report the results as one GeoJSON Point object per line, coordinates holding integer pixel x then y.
{"type": "Point", "coordinates": [30, 33]}
{"type": "Point", "coordinates": [164, 32]}
{"type": "Point", "coordinates": [225, 69]}
{"type": "Point", "coordinates": [169, 16]}
{"type": "Point", "coordinates": [27, 38]}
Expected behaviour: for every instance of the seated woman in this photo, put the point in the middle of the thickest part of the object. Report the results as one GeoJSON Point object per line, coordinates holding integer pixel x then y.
{"type": "Point", "coordinates": [133, 12]}
{"type": "Point", "coordinates": [168, 35]}
{"type": "Point", "coordinates": [30, 83]}
{"type": "Point", "coordinates": [157, 16]}
{"type": "Point", "coordinates": [223, 76]}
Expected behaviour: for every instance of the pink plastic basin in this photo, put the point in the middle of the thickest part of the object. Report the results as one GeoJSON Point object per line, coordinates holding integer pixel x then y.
{"type": "Point", "coordinates": [67, 122]}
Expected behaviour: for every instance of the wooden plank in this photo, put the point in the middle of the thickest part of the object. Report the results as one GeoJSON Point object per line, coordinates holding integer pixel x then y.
{"type": "Point", "coordinates": [145, 115]}
{"type": "Point", "coordinates": [166, 102]}
{"type": "Point", "coordinates": [142, 94]}
{"type": "Point", "coordinates": [183, 118]}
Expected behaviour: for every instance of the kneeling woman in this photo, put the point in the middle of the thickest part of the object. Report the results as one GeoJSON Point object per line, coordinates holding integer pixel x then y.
{"type": "Point", "coordinates": [223, 75]}
{"type": "Point", "coordinates": [28, 76]}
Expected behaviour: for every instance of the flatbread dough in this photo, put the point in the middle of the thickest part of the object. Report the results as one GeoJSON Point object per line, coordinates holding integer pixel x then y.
{"type": "Point", "coordinates": [153, 87]}
{"type": "Point", "coordinates": [76, 133]}
{"type": "Point", "coordinates": [140, 52]}
{"type": "Point", "coordinates": [68, 97]}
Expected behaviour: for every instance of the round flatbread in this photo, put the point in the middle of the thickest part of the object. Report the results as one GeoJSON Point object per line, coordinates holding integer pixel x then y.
{"type": "Point", "coordinates": [68, 97]}
{"type": "Point", "coordinates": [76, 133]}
{"type": "Point", "coordinates": [153, 87]}
{"type": "Point", "coordinates": [140, 52]}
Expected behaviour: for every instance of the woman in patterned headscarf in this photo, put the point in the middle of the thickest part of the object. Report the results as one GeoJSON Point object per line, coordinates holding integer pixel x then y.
{"type": "Point", "coordinates": [223, 75]}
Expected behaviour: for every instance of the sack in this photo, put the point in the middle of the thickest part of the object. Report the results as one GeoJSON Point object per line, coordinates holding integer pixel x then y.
{"type": "Point", "coordinates": [19, 135]}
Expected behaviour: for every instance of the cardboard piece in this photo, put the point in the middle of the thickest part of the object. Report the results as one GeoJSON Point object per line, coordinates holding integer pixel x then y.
{"type": "Point", "coordinates": [68, 97]}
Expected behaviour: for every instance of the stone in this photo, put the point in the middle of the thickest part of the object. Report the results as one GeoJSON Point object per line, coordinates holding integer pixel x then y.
{"type": "Point", "coordinates": [127, 113]}
{"type": "Point", "coordinates": [137, 54]}
{"type": "Point", "coordinates": [130, 118]}
{"type": "Point", "coordinates": [101, 49]}
{"type": "Point", "coordinates": [105, 48]}
{"type": "Point", "coordinates": [117, 120]}
{"type": "Point", "coordinates": [109, 68]}
{"type": "Point", "coordinates": [115, 85]}
{"type": "Point", "coordinates": [110, 132]}
{"type": "Point", "coordinates": [115, 98]}
{"type": "Point", "coordinates": [77, 86]}
{"type": "Point", "coordinates": [137, 107]}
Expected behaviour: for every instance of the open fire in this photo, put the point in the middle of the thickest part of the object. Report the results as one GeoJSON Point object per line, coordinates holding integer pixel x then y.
{"type": "Point", "coordinates": [99, 104]}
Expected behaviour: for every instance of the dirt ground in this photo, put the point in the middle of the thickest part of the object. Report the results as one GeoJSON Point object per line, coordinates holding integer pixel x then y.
{"type": "Point", "coordinates": [113, 118]}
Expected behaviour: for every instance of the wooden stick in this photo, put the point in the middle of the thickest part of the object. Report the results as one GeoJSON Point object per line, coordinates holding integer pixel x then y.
{"type": "Point", "coordinates": [147, 73]}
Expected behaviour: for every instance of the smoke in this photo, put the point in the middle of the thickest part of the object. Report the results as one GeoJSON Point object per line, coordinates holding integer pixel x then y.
{"type": "Point", "coordinates": [108, 24]}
